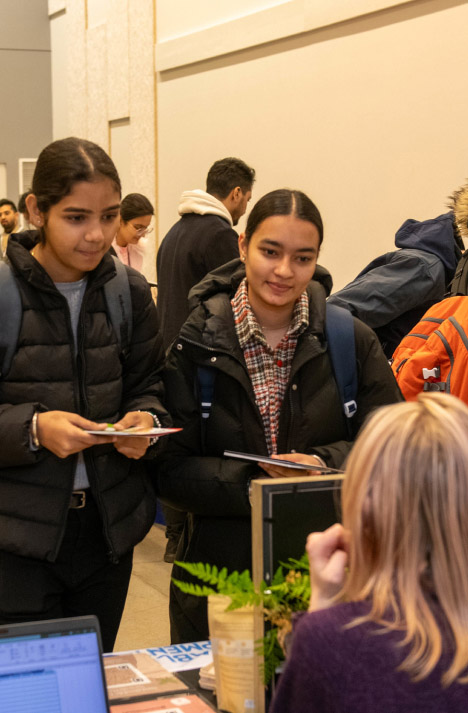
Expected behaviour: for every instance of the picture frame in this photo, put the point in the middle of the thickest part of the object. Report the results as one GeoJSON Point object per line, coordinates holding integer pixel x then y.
{"type": "Point", "coordinates": [284, 512]}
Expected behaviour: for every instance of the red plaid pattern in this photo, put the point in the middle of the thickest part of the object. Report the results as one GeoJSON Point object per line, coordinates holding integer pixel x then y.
{"type": "Point", "coordinates": [268, 369]}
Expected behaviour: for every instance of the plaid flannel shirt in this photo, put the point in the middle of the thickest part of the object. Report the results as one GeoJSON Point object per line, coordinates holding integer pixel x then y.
{"type": "Point", "coordinates": [268, 368]}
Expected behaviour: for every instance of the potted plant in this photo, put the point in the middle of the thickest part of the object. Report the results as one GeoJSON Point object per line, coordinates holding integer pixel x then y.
{"type": "Point", "coordinates": [289, 592]}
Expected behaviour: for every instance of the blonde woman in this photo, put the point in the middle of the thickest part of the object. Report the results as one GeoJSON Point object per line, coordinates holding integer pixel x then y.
{"type": "Point", "coordinates": [388, 622]}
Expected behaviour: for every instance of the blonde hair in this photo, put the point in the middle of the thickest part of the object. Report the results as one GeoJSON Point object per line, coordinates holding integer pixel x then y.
{"type": "Point", "coordinates": [405, 502]}
{"type": "Point", "coordinates": [459, 204]}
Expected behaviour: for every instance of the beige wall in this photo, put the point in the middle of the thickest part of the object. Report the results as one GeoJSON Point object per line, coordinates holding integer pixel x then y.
{"type": "Point", "coordinates": [26, 112]}
{"type": "Point", "coordinates": [367, 115]}
{"type": "Point", "coordinates": [361, 104]}
{"type": "Point", "coordinates": [108, 87]}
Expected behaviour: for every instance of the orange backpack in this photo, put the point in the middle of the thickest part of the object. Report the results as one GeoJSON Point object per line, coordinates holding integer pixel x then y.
{"type": "Point", "coordinates": [434, 355]}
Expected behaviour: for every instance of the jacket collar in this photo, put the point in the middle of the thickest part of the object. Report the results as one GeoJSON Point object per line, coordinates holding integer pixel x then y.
{"type": "Point", "coordinates": [211, 321]}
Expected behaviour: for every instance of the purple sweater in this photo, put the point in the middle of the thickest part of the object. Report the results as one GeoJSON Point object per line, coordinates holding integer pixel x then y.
{"type": "Point", "coordinates": [336, 670]}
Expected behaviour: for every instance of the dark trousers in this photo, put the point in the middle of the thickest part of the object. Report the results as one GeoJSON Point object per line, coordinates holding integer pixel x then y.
{"type": "Point", "coordinates": [174, 520]}
{"type": "Point", "coordinates": [188, 615]}
{"type": "Point", "coordinates": [81, 581]}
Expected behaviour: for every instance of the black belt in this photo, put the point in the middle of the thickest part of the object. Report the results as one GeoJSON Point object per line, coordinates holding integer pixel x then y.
{"type": "Point", "coordinates": [78, 499]}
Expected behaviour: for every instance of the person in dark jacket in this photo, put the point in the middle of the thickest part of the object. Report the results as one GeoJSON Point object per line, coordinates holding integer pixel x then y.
{"type": "Point", "coordinates": [258, 323]}
{"type": "Point", "coordinates": [74, 504]}
{"type": "Point", "coordinates": [202, 240]}
{"type": "Point", "coordinates": [392, 292]}
{"type": "Point", "coordinates": [387, 628]}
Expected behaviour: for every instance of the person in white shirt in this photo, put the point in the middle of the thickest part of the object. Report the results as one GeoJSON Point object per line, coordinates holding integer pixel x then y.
{"type": "Point", "coordinates": [129, 244]}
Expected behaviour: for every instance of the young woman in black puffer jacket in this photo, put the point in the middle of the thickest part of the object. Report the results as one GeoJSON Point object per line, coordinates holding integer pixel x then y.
{"type": "Point", "coordinates": [259, 324]}
{"type": "Point", "coordinates": [73, 504]}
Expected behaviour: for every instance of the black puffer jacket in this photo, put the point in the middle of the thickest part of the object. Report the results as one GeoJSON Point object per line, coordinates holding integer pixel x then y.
{"type": "Point", "coordinates": [46, 374]}
{"type": "Point", "coordinates": [193, 475]}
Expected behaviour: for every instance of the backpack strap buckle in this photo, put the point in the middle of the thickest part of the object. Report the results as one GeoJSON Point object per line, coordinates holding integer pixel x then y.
{"type": "Point", "coordinates": [350, 408]}
{"type": "Point", "coordinates": [431, 373]}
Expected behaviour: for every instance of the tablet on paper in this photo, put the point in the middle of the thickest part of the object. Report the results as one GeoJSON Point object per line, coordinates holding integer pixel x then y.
{"type": "Point", "coordinates": [279, 461]}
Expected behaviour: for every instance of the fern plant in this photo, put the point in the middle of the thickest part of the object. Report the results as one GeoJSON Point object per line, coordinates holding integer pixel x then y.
{"type": "Point", "coordinates": [289, 592]}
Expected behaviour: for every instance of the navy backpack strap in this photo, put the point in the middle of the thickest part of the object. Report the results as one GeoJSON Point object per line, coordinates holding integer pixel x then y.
{"type": "Point", "coordinates": [11, 315]}
{"type": "Point", "coordinates": [205, 378]}
{"type": "Point", "coordinates": [119, 306]}
{"type": "Point", "coordinates": [205, 387]}
{"type": "Point", "coordinates": [339, 331]}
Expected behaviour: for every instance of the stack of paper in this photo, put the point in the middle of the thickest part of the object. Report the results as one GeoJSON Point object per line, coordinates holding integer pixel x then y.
{"type": "Point", "coordinates": [132, 674]}
{"type": "Point", "coordinates": [207, 677]}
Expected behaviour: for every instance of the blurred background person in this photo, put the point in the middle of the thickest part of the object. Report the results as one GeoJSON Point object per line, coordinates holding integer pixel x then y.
{"type": "Point", "coordinates": [129, 244]}
{"type": "Point", "coordinates": [201, 240]}
{"type": "Point", "coordinates": [9, 220]}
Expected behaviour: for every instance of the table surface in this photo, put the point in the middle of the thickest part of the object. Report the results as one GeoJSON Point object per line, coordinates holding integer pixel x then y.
{"type": "Point", "coordinates": [191, 679]}
{"type": "Point", "coordinates": [189, 676]}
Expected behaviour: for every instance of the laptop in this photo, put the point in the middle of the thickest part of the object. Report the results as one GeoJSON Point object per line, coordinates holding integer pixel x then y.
{"type": "Point", "coordinates": [52, 666]}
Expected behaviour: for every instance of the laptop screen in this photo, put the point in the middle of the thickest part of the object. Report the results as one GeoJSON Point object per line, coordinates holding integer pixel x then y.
{"type": "Point", "coordinates": [52, 667]}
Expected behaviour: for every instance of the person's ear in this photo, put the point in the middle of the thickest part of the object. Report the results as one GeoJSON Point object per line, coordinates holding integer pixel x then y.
{"type": "Point", "coordinates": [242, 243]}
{"type": "Point", "coordinates": [36, 216]}
{"type": "Point", "coordinates": [233, 197]}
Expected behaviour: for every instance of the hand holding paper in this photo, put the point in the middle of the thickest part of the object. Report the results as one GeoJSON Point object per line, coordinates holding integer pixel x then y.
{"type": "Point", "coordinates": [65, 433]}
{"type": "Point", "coordinates": [131, 446]}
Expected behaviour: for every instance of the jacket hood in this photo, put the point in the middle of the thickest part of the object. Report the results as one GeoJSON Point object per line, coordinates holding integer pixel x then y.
{"type": "Point", "coordinates": [228, 277]}
{"type": "Point", "coordinates": [18, 253]}
{"type": "Point", "coordinates": [210, 315]}
{"type": "Point", "coordinates": [436, 236]}
{"type": "Point", "coordinates": [27, 238]}
{"type": "Point", "coordinates": [202, 203]}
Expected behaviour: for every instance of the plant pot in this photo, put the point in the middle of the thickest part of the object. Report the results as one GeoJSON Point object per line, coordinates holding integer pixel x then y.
{"type": "Point", "coordinates": [233, 644]}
